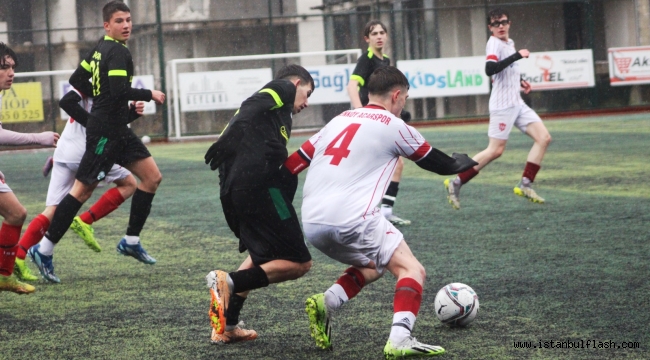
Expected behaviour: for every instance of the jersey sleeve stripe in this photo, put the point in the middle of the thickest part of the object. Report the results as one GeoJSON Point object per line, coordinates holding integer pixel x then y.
{"type": "Point", "coordinates": [276, 97]}
{"type": "Point", "coordinates": [421, 152]}
{"type": "Point", "coordinates": [492, 58]}
{"type": "Point", "coordinates": [358, 79]}
{"type": "Point", "coordinates": [84, 64]}
{"type": "Point", "coordinates": [117, 73]}
{"type": "Point", "coordinates": [308, 150]}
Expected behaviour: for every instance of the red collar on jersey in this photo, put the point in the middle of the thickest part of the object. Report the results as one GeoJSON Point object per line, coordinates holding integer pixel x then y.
{"type": "Point", "coordinates": [373, 106]}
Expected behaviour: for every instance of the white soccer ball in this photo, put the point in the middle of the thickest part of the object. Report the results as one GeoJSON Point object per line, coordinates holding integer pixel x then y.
{"type": "Point", "coordinates": [456, 304]}
{"type": "Point", "coordinates": [146, 139]}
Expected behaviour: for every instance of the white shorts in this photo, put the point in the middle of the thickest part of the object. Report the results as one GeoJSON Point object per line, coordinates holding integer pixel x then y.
{"type": "Point", "coordinates": [374, 239]}
{"type": "Point", "coordinates": [63, 176]}
{"type": "Point", "coordinates": [501, 121]}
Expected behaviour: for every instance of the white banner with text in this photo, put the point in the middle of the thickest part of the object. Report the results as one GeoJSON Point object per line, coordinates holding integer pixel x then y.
{"type": "Point", "coordinates": [553, 70]}
{"type": "Point", "coordinates": [629, 65]}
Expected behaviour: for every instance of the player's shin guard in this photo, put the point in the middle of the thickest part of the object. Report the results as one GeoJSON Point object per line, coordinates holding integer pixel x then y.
{"type": "Point", "coordinates": [106, 204]}
{"type": "Point", "coordinates": [63, 216]}
{"type": "Point", "coordinates": [140, 208]}
{"type": "Point", "coordinates": [530, 171]}
{"type": "Point", "coordinates": [248, 279]}
{"type": "Point", "coordinates": [391, 194]}
{"type": "Point", "coordinates": [34, 233]}
{"type": "Point", "coordinates": [346, 287]}
{"type": "Point", "coordinates": [232, 311]}
{"type": "Point", "coordinates": [9, 235]}
{"type": "Point", "coordinates": [406, 304]}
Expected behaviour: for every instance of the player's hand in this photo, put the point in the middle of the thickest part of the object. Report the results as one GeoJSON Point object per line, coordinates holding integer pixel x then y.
{"type": "Point", "coordinates": [2, 177]}
{"type": "Point", "coordinates": [525, 86]}
{"type": "Point", "coordinates": [158, 96]}
{"type": "Point", "coordinates": [48, 138]}
{"type": "Point", "coordinates": [524, 53]}
{"type": "Point", "coordinates": [138, 107]}
{"type": "Point", "coordinates": [405, 115]}
{"type": "Point", "coordinates": [463, 162]}
{"type": "Point", "coordinates": [215, 156]}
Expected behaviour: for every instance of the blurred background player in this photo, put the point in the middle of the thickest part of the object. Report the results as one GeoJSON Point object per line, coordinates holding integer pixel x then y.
{"type": "Point", "coordinates": [256, 195]}
{"type": "Point", "coordinates": [507, 109]}
{"type": "Point", "coordinates": [67, 156]}
{"type": "Point", "coordinates": [348, 161]}
{"type": "Point", "coordinates": [109, 140]}
{"type": "Point", "coordinates": [376, 35]}
{"type": "Point", "coordinates": [11, 209]}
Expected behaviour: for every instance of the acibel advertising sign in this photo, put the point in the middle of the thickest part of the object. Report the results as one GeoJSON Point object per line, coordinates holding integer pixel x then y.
{"type": "Point", "coordinates": [554, 70]}
{"type": "Point", "coordinates": [330, 82]}
{"type": "Point", "coordinates": [446, 76]}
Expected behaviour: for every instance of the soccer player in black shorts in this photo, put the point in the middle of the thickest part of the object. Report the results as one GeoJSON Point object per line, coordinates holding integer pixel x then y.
{"type": "Point", "coordinates": [109, 140]}
{"type": "Point", "coordinates": [376, 34]}
{"type": "Point", "coordinates": [256, 196]}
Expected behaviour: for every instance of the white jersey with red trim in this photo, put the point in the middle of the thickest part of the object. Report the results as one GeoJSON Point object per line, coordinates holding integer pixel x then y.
{"type": "Point", "coordinates": [352, 161]}
{"type": "Point", "coordinates": [505, 84]}
{"type": "Point", "coordinates": [72, 144]}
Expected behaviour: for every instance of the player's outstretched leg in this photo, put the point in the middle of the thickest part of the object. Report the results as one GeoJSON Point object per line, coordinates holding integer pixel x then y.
{"type": "Point", "coordinates": [86, 233]}
{"type": "Point", "coordinates": [410, 347]}
{"type": "Point", "coordinates": [134, 250]}
{"type": "Point", "coordinates": [44, 263]}
{"type": "Point", "coordinates": [22, 271]}
{"type": "Point", "coordinates": [320, 325]}
{"type": "Point", "coordinates": [11, 283]}
{"type": "Point", "coordinates": [453, 192]}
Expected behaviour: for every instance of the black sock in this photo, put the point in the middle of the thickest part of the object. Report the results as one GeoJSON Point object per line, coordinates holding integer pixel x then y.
{"type": "Point", "coordinates": [140, 208]}
{"type": "Point", "coordinates": [249, 279]}
{"type": "Point", "coordinates": [391, 194]}
{"type": "Point", "coordinates": [62, 218]}
{"type": "Point", "coordinates": [234, 307]}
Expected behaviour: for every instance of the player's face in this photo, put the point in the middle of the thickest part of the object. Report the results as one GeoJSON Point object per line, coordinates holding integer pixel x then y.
{"type": "Point", "coordinates": [303, 92]}
{"type": "Point", "coordinates": [500, 27]}
{"type": "Point", "coordinates": [377, 37]}
{"type": "Point", "coordinates": [7, 73]}
{"type": "Point", "coordinates": [119, 27]}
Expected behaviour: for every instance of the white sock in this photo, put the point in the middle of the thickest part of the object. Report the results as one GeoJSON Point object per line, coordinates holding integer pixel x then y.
{"type": "Point", "coordinates": [132, 240]}
{"type": "Point", "coordinates": [386, 210]}
{"type": "Point", "coordinates": [457, 181]}
{"type": "Point", "coordinates": [403, 322]}
{"type": "Point", "coordinates": [46, 247]}
{"type": "Point", "coordinates": [525, 181]}
{"type": "Point", "coordinates": [335, 296]}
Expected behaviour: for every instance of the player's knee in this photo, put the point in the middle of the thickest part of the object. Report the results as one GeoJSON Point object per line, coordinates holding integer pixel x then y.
{"type": "Point", "coordinates": [303, 268]}
{"type": "Point", "coordinates": [17, 217]}
{"type": "Point", "coordinates": [546, 140]}
{"type": "Point", "coordinates": [497, 152]}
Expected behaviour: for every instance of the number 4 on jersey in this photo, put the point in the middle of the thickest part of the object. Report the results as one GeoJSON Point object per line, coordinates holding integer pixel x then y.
{"type": "Point", "coordinates": [341, 151]}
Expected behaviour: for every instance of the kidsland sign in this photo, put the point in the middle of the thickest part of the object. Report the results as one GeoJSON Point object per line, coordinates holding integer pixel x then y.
{"type": "Point", "coordinates": [554, 70]}
{"type": "Point", "coordinates": [629, 66]}
{"type": "Point", "coordinates": [446, 77]}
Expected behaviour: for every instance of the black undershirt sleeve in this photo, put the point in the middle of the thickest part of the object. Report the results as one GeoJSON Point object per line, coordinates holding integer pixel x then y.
{"type": "Point", "coordinates": [492, 67]}
{"type": "Point", "coordinates": [440, 163]}
{"type": "Point", "coordinates": [70, 104]}
{"type": "Point", "coordinates": [80, 81]}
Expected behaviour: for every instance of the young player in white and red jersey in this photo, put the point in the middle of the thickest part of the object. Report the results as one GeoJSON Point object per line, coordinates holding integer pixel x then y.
{"type": "Point", "coordinates": [351, 162]}
{"type": "Point", "coordinates": [66, 159]}
{"type": "Point", "coordinates": [11, 210]}
{"type": "Point", "coordinates": [507, 109]}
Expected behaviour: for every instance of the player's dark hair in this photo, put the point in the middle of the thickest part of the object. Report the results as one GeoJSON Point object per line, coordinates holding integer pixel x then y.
{"type": "Point", "coordinates": [113, 7]}
{"type": "Point", "coordinates": [496, 14]}
{"type": "Point", "coordinates": [371, 24]}
{"type": "Point", "coordinates": [293, 70]}
{"type": "Point", "coordinates": [385, 79]}
{"type": "Point", "coordinates": [6, 51]}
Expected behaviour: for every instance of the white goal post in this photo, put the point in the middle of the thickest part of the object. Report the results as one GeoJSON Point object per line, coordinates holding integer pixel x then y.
{"type": "Point", "coordinates": [174, 101]}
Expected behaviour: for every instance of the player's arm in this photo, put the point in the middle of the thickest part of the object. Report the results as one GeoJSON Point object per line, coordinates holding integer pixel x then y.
{"type": "Point", "coordinates": [80, 79]}
{"type": "Point", "coordinates": [358, 78]}
{"type": "Point", "coordinates": [70, 104]}
{"type": "Point", "coordinates": [271, 97]}
{"type": "Point", "coordinates": [118, 79]}
{"type": "Point", "coordinates": [46, 138]}
{"type": "Point", "coordinates": [353, 92]}
{"type": "Point", "coordinates": [493, 66]}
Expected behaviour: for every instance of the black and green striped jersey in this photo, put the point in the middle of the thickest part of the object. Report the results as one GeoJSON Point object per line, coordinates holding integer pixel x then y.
{"type": "Point", "coordinates": [264, 119]}
{"type": "Point", "coordinates": [366, 64]}
{"type": "Point", "coordinates": [105, 74]}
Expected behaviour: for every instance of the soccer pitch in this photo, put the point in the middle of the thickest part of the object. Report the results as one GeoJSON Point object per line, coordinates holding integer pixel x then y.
{"type": "Point", "coordinates": [574, 269]}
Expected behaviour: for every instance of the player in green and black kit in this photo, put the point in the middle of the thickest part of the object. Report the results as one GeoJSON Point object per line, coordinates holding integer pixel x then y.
{"type": "Point", "coordinates": [376, 35]}
{"type": "Point", "coordinates": [256, 195]}
{"type": "Point", "coordinates": [109, 140]}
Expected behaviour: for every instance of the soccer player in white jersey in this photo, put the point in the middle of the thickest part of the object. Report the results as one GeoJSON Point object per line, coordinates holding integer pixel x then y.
{"type": "Point", "coordinates": [11, 210]}
{"type": "Point", "coordinates": [66, 159]}
{"type": "Point", "coordinates": [351, 163]}
{"type": "Point", "coordinates": [507, 109]}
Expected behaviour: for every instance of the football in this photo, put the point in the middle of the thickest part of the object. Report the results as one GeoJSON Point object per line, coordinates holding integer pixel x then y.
{"type": "Point", "coordinates": [456, 304]}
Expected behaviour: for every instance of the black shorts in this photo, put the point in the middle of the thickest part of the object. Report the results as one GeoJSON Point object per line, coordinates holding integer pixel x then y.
{"type": "Point", "coordinates": [103, 152]}
{"type": "Point", "coordinates": [266, 224]}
